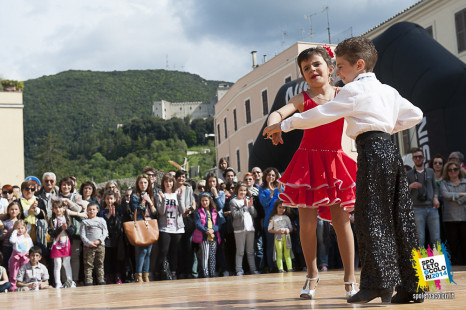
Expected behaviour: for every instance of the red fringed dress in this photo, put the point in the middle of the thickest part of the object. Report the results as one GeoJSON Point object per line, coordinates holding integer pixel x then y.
{"type": "Point", "coordinates": [320, 174]}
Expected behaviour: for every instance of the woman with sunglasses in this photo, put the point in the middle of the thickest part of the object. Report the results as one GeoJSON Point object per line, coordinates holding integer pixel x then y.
{"type": "Point", "coordinates": [29, 207]}
{"type": "Point", "coordinates": [437, 163]}
{"type": "Point", "coordinates": [453, 189]}
{"type": "Point", "coordinates": [7, 193]}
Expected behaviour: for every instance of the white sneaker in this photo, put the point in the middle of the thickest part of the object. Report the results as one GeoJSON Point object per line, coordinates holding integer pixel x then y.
{"type": "Point", "coordinates": [240, 273]}
{"type": "Point", "coordinates": [226, 273]}
{"type": "Point", "coordinates": [58, 286]}
{"type": "Point", "coordinates": [73, 284]}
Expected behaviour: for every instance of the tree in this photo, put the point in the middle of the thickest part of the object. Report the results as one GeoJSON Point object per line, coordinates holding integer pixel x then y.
{"type": "Point", "coordinates": [51, 155]}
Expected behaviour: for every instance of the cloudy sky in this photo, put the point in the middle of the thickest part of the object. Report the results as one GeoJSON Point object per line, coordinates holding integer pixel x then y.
{"type": "Point", "coordinates": [211, 38]}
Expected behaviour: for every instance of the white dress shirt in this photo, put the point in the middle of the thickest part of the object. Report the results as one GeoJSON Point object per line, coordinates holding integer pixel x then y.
{"type": "Point", "coordinates": [366, 104]}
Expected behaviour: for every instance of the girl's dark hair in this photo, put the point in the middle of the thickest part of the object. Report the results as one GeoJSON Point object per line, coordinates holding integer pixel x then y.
{"type": "Point", "coordinates": [212, 204]}
{"type": "Point", "coordinates": [110, 192]}
{"type": "Point", "coordinates": [264, 177]}
{"type": "Point", "coordinates": [431, 162]}
{"type": "Point", "coordinates": [58, 202]}
{"type": "Point", "coordinates": [150, 190]}
{"type": "Point", "coordinates": [1, 259]}
{"type": "Point", "coordinates": [166, 177]}
{"type": "Point", "coordinates": [20, 215]}
{"type": "Point", "coordinates": [223, 159]}
{"type": "Point", "coordinates": [68, 181]}
{"type": "Point", "coordinates": [241, 184]}
{"type": "Point", "coordinates": [275, 208]}
{"type": "Point", "coordinates": [91, 184]}
{"type": "Point", "coordinates": [308, 53]}
{"type": "Point", "coordinates": [208, 176]}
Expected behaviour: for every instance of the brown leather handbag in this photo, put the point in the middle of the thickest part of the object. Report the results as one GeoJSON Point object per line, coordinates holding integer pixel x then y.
{"type": "Point", "coordinates": [141, 233]}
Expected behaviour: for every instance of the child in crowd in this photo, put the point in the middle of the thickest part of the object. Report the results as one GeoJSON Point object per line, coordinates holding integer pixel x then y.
{"type": "Point", "coordinates": [114, 247]}
{"type": "Point", "coordinates": [206, 233]}
{"type": "Point", "coordinates": [93, 234]}
{"type": "Point", "coordinates": [6, 226]}
{"type": "Point", "coordinates": [280, 226]}
{"type": "Point", "coordinates": [243, 212]}
{"type": "Point", "coordinates": [384, 219]}
{"type": "Point", "coordinates": [21, 242]}
{"type": "Point", "coordinates": [4, 281]}
{"type": "Point", "coordinates": [33, 275]}
{"type": "Point", "coordinates": [60, 230]}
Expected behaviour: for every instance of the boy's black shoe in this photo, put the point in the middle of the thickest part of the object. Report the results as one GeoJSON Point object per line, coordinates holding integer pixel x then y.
{"type": "Point", "coordinates": [404, 297]}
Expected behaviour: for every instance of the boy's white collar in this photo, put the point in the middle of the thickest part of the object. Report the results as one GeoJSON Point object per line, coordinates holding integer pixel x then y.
{"type": "Point", "coordinates": [364, 75]}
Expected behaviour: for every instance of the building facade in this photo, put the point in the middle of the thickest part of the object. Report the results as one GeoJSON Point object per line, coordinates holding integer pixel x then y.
{"type": "Point", "coordinates": [445, 20]}
{"type": "Point", "coordinates": [167, 110]}
{"type": "Point", "coordinates": [242, 111]}
{"type": "Point", "coordinates": [12, 144]}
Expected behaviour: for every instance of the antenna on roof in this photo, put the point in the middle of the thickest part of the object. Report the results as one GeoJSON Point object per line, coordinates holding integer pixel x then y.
{"type": "Point", "coordinates": [310, 23]}
{"type": "Point", "coordinates": [328, 25]}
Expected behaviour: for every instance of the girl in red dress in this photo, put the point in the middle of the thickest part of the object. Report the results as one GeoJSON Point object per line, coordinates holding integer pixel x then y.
{"type": "Point", "coordinates": [320, 179]}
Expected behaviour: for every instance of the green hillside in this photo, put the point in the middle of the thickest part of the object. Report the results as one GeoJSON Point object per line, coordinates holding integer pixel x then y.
{"type": "Point", "coordinates": [76, 107]}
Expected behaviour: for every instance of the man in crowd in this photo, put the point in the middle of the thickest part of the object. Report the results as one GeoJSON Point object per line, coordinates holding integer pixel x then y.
{"type": "Point", "coordinates": [257, 173]}
{"type": "Point", "coordinates": [424, 193]}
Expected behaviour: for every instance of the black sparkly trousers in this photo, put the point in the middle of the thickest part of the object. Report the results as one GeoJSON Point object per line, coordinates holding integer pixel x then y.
{"type": "Point", "coordinates": [384, 217]}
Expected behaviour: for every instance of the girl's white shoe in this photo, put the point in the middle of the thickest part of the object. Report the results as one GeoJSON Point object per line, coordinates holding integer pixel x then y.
{"type": "Point", "coordinates": [306, 292]}
{"type": "Point", "coordinates": [353, 290]}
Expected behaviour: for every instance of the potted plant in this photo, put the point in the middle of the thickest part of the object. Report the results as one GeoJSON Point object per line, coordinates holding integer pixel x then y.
{"type": "Point", "coordinates": [12, 85]}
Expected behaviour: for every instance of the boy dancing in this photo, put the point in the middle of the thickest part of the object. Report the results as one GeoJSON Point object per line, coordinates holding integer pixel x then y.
{"type": "Point", "coordinates": [384, 218]}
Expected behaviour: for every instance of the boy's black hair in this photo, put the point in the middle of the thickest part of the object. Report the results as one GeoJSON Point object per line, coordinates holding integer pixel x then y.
{"type": "Point", "coordinates": [355, 48]}
{"type": "Point", "coordinates": [35, 249]}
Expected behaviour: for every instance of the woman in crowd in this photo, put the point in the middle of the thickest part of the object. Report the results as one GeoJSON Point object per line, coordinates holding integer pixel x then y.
{"type": "Point", "coordinates": [88, 192]}
{"type": "Point", "coordinates": [268, 194]}
{"type": "Point", "coordinates": [142, 202]}
{"type": "Point", "coordinates": [437, 163]}
{"type": "Point", "coordinates": [77, 209]}
{"type": "Point", "coordinates": [453, 190]}
{"type": "Point", "coordinates": [185, 252]}
{"type": "Point", "coordinates": [170, 207]}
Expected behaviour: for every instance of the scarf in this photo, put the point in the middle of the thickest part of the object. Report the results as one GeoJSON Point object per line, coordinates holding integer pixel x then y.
{"type": "Point", "coordinates": [26, 204]}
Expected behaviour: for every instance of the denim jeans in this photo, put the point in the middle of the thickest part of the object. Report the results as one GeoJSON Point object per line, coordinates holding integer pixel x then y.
{"type": "Point", "coordinates": [427, 216]}
{"type": "Point", "coordinates": [143, 258]}
{"type": "Point", "coordinates": [322, 242]}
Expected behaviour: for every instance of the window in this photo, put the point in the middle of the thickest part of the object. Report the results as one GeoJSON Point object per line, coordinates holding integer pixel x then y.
{"type": "Point", "coordinates": [250, 146]}
{"type": "Point", "coordinates": [287, 79]}
{"type": "Point", "coordinates": [430, 31]}
{"type": "Point", "coordinates": [218, 133]}
{"type": "Point", "coordinates": [265, 103]}
{"type": "Point", "coordinates": [247, 105]}
{"type": "Point", "coordinates": [460, 22]}
{"type": "Point", "coordinates": [225, 125]}
{"type": "Point", "coordinates": [238, 162]}
{"type": "Point", "coordinates": [235, 123]}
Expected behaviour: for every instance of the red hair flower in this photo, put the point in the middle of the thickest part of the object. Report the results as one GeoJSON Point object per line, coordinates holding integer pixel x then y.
{"type": "Point", "coordinates": [329, 50]}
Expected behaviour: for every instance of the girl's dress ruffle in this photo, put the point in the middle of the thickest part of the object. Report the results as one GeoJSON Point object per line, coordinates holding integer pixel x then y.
{"type": "Point", "coordinates": [319, 179]}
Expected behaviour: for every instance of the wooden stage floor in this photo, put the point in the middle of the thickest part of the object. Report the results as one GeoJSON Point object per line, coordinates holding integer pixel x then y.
{"type": "Point", "coordinates": [268, 291]}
